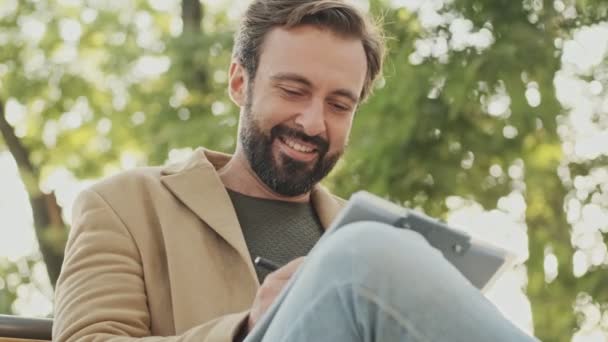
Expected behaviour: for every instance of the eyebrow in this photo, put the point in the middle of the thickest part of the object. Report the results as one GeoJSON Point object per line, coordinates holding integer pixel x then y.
{"type": "Point", "coordinates": [287, 76]}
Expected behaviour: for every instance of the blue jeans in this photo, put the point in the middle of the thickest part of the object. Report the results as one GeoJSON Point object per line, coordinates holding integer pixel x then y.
{"type": "Point", "coordinates": [372, 282]}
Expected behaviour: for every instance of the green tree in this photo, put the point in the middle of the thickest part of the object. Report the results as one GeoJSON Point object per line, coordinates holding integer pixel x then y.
{"type": "Point", "coordinates": [93, 87]}
{"type": "Point", "coordinates": [84, 86]}
{"type": "Point", "coordinates": [440, 137]}
{"type": "Point", "coordinates": [80, 76]}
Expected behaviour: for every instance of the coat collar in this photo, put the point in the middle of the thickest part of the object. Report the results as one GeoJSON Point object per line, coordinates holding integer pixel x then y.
{"type": "Point", "coordinates": [196, 183]}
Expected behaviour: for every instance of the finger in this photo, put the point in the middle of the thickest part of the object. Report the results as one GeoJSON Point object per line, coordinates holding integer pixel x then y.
{"type": "Point", "coordinates": [271, 288]}
{"type": "Point", "coordinates": [288, 270]}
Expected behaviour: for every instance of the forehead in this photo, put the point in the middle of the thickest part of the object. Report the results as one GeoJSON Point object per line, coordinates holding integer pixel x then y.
{"type": "Point", "coordinates": [321, 56]}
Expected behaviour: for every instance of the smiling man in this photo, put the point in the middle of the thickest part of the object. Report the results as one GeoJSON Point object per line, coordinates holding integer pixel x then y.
{"type": "Point", "coordinates": [297, 110]}
{"type": "Point", "coordinates": [166, 253]}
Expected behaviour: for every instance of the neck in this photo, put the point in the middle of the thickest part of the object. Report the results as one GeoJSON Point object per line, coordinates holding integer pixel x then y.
{"type": "Point", "coordinates": [238, 176]}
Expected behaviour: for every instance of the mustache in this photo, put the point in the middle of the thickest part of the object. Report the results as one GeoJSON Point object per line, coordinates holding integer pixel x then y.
{"type": "Point", "coordinates": [320, 143]}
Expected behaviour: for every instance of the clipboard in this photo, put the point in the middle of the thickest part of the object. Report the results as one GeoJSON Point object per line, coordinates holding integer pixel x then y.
{"type": "Point", "coordinates": [480, 262]}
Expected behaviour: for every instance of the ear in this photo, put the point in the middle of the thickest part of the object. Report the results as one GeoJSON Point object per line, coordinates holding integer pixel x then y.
{"type": "Point", "coordinates": [237, 85]}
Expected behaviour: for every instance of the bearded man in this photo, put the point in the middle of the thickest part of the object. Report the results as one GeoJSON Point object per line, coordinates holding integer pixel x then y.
{"type": "Point", "coordinates": [166, 253]}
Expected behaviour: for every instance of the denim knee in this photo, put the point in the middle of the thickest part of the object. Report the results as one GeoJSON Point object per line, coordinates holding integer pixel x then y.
{"type": "Point", "coordinates": [372, 250]}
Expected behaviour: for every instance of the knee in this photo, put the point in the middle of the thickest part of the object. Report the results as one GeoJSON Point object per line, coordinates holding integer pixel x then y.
{"type": "Point", "coordinates": [371, 240]}
{"type": "Point", "coordinates": [373, 249]}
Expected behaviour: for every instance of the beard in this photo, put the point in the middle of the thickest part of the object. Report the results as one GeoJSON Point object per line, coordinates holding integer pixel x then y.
{"type": "Point", "coordinates": [283, 175]}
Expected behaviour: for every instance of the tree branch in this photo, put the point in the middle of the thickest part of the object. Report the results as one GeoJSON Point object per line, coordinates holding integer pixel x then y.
{"type": "Point", "coordinates": [48, 223]}
{"type": "Point", "coordinates": [19, 152]}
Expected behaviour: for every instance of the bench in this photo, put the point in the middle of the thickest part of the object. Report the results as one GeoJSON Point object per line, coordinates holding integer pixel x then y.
{"type": "Point", "coordinates": [25, 329]}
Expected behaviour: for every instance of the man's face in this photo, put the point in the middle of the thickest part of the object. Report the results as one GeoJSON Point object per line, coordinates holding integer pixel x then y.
{"type": "Point", "coordinates": [298, 110]}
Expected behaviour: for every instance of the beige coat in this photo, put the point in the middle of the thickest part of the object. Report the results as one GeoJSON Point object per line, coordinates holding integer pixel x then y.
{"type": "Point", "coordinates": [159, 252]}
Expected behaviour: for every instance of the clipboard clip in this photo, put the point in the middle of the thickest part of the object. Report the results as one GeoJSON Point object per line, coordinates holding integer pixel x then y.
{"type": "Point", "coordinates": [437, 233]}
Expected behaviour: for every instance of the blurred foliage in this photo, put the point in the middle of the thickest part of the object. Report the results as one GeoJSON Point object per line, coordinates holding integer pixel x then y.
{"type": "Point", "coordinates": [15, 275]}
{"type": "Point", "coordinates": [8, 293]}
{"type": "Point", "coordinates": [95, 104]}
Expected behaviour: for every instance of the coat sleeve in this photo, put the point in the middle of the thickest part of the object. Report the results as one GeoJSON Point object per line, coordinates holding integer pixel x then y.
{"type": "Point", "coordinates": [100, 294]}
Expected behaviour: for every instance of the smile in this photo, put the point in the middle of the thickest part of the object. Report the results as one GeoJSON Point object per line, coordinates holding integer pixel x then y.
{"type": "Point", "coordinates": [296, 145]}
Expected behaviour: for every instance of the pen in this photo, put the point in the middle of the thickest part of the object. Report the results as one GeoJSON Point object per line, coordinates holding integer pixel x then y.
{"type": "Point", "coordinates": [267, 264]}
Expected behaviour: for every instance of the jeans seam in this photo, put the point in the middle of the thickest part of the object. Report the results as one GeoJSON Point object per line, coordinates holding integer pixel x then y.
{"type": "Point", "coordinates": [387, 309]}
{"type": "Point", "coordinates": [310, 307]}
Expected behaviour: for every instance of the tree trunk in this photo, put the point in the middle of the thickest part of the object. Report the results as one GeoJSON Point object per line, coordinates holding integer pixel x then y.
{"type": "Point", "coordinates": [48, 223]}
{"type": "Point", "coordinates": [192, 15]}
{"type": "Point", "coordinates": [190, 41]}
{"type": "Point", "coordinates": [554, 319]}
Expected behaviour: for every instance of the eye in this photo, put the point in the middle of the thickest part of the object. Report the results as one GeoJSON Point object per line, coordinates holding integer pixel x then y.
{"type": "Point", "coordinates": [340, 107]}
{"type": "Point", "coordinates": [291, 92]}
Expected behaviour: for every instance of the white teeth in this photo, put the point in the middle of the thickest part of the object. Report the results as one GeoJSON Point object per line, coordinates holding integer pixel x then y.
{"type": "Point", "coordinates": [297, 147]}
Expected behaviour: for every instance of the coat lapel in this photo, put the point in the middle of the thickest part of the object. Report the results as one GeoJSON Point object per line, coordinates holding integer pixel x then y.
{"type": "Point", "coordinates": [326, 205]}
{"type": "Point", "coordinates": [197, 184]}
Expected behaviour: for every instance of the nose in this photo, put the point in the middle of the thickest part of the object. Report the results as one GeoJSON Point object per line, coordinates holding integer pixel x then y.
{"type": "Point", "coordinates": [312, 119]}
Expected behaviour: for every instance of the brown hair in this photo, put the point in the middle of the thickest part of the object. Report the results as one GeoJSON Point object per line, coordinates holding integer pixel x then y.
{"type": "Point", "coordinates": [341, 18]}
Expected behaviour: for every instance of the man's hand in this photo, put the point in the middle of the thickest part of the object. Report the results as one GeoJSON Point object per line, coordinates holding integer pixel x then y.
{"type": "Point", "coordinates": [270, 289]}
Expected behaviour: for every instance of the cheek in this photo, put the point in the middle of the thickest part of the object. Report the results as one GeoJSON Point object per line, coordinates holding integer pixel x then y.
{"type": "Point", "coordinates": [271, 112]}
{"type": "Point", "coordinates": [339, 132]}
